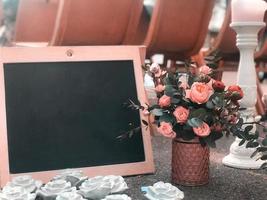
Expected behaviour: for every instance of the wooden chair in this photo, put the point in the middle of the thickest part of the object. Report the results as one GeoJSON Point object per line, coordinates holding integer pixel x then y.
{"type": "Point", "coordinates": [225, 42]}
{"type": "Point", "coordinates": [261, 54]}
{"type": "Point", "coordinates": [35, 20]}
{"type": "Point", "coordinates": [178, 28]}
{"type": "Point", "coordinates": [101, 22]}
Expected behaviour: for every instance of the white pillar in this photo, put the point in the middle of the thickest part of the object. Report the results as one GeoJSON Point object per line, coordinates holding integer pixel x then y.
{"type": "Point", "coordinates": [247, 40]}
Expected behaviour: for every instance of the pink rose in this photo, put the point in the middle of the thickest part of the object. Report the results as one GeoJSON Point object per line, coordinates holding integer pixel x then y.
{"type": "Point", "coordinates": [164, 101]}
{"type": "Point", "coordinates": [203, 130]}
{"type": "Point", "coordinates": [205, 70]}
{"type": "Point", "coordinates": [218, 86]}
{"type": "Point", "coordinates": [181, 114]}
{"type": "Point", "coordinates": [200, 92]}
{"type": "Point", "coordinates": [166, 130]}
{"type": "Point", "coordinates": [160, 88]}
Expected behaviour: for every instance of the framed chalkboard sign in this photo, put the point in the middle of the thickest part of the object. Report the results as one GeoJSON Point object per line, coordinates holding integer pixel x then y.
{"type": "Point", "coordinates": [63, 108]}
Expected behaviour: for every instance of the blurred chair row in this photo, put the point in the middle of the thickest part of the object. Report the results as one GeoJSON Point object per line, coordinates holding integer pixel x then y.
{"type": "Point", "coordinates": [177, 28]}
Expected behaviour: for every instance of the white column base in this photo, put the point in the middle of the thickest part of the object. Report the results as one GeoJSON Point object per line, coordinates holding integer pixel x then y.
{"type": "Point", "coordinates": [239, 157]}
{"type": "Point", "coordinates": [247, 34]}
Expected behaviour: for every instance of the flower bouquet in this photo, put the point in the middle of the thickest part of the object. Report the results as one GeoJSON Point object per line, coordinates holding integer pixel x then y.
{"type": "Point", "coordinates": [193, 108]}
{"type": "Point", "coordinates": [193, 105]}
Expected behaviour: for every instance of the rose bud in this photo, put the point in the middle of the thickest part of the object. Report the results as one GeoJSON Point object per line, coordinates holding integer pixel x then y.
{"type": "Point", "coordinates": [218, 86]}
{"type": "Point", "coordinates": [205, 70]}
{"type": "Point", "coordinates": [160, 88]}
{"type": "Point", "coordinates": [217, 127]}
{"type": "Point", "coordinates": [236, 92]}
{"type": "Point", "coordinates": [232, 119]}
{"type": "Point", "coordinates": [164, 101]}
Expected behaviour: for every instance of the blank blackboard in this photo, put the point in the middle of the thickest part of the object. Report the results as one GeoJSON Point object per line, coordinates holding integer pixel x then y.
{"type": "Point", "coordinates": [68, 115]}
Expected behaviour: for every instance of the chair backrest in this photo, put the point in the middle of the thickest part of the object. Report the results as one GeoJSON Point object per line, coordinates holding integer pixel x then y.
{"type": "Point", "coordinates": [178, 27]}
{"type": "Point", "coordinates": [96, 22]}
{"type": "Point", "coordinates": [261, 54]}
{"type": "Point", "coordinates": [225, 42]}
{"type": "Point", "coordinates": [35, 20]}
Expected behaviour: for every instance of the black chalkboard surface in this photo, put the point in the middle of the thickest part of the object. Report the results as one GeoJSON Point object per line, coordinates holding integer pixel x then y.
{"type": "Point", "coordinates": [68, 115]}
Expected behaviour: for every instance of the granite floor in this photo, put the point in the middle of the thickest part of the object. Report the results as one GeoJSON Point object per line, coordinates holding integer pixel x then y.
{"type": "Point", "coordinates": [225, 183]}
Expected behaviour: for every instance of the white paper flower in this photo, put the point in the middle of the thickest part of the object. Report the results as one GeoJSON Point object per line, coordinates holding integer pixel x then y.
{"type": "Point", "coordinates": [69, 196]}
{"type": "Point", "coordinates": [71, 175]}
{"type": "Point", "coordinates": [257, 118]}
{"type": "Point", "coordinates": [117, 197]}
{"type": "Point", "coordinates": [164, 191]}
{"type": "Point", "coordinates": [96, 188]}
{"type": "Point", "coordinates": [16, 193]}
{"type": "Point", "coordinates": [54, 188]}
{"type": "Point", "coordinates": [118, 183]}
{"type": "Point", "coordinates": [27, 182]}
{"type": "Point", "coordinates": [154, 68]}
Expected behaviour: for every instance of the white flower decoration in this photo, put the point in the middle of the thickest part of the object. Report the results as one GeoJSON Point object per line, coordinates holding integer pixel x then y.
{"type": "Point", "coordinates": [96, 188]}
{"type": "Point", "coordinates": [257, 118]}
{"type": "Point", "coordinates": [69, 196]}
{"type": "Point", "coordinates": [71, 175]}
{"type": "Point", "coordinates": [118, 183]}
{"type": "Point", "coordinates": [117, 197]}
{"type": "Point", "coordinates": [16, 193]}
{"type": "Point", "coordinates": [54, 188]}
{"type": "Point", "coordinates": [154, 67]}
{"type": "Point", "coordinates": [164, 191]}
{"type": "Point", "coordinates": [27, 182]}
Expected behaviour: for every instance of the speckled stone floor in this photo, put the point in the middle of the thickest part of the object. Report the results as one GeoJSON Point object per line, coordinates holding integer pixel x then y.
{"type": "Point", "coordinates": [225, 183]}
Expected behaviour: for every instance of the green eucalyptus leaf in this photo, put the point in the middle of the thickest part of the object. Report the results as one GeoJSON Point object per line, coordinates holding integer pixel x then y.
{"type": "Point", "coordinates": [157, 112]}
{"type": "Point", "coordinates": [256, 135]}
{"type": "Point", "coordinates": [198, 113]}
{"type": "Point", "coordinates": [210, 142]}
{"type": "Point", "coordinates": [175, 100]}
{"type": "Point", "coordinates": [252, 144]}
{"type": "Point", "coordinates": [166, 118]}
{"type": "Point", "coordinates": [240, 122]}
{"type": "Point", "coordinates": [264, 142]}
{"type": "Point", "coordinates": [195, 122]}
{"type": "Point", "coordinates": [233, 129]}
{"type": "Point", "coordinates": [262, 149]}
{"type": "Point", "coordinates": [248, 128]}
{"type": "Point", "coordinates": [169, 90]}
{"type": "Point", "coordinates": [210, 105]}
{"type": "Point", "coordinates": [254, 153]}
{"type": "Point", "coordinates": [188, 135]}
{"type": "Point", "coordinates": [242, 142]}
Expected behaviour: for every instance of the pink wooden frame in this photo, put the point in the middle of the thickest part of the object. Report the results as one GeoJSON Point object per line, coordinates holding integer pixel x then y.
{"type": "Point", "coordinates": [92, 53]}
